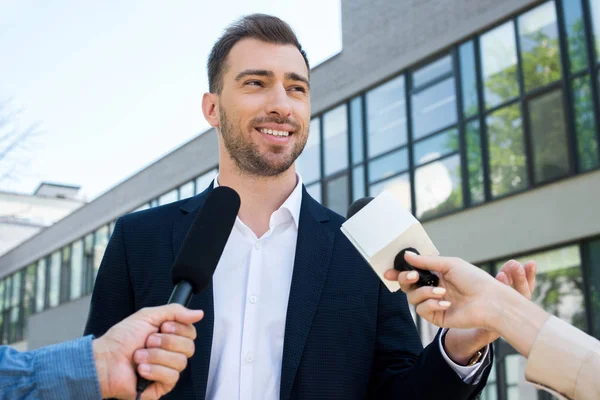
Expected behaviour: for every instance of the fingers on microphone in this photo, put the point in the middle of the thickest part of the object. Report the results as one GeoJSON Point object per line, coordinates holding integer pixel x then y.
{"type": "Point", "coordinates": [407, 279]}
{"type": "Point", "coordinates": [170, 359]}
{"type": "Point", "coordinates": [171, 342]}
{"type": "Point", "coordinates": [179, 329]}
{"type": "Point", "coordinates": [425, 293]}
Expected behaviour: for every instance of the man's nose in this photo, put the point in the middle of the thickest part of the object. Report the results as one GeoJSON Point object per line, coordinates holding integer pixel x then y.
{"type": "Point", "coordinates": [279, 102]}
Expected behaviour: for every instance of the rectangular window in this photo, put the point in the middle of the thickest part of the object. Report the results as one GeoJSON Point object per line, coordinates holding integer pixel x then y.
{"type": "Point", "coordinates": [54, 293]}
{"type": "Point", "coordinates": [499, 65]}
{"type": "Point", "coordinates": [388, 165]}
{"type": "Point", "coordinates": [506, 151]}
{"type": "Point", "coordinates": [29, 290]}
{"type": "Point", "coordinates": [595, 8]}
{"type": "Point", "coordinates": [358, 183]}
{"type": "Point", "coordinates": [593, 268]}
{"type": "Point", "coordinates": [335, 135]}
{"type": "Point", "coordinates": [76, 270]}
{"type": "Point", "coordinates": [434, 108]}
{"type": "Point", "coordinates": [88, 264]}
{"type": "Point", "coordinates": [432, 71]}
{"type": "Point", "coordinates": [100, 242]}
{"type": "Point", "coordinates": [573, 20]}
{"type": "Point", "coordinates": [468, 79]}
{"type": "Point", "coordinates": [356, 130]}
{"type": "Point", "coordinates": [399, 186]}
{"type": "Point", "coordinates": [474, 162]}
{"type": "Point", "coordinates": [168, 197]}
{"type": "Point", "coordinates": [548, 137]}
{"type": "Point", "coordinates": [186, 190]}
{"type": "Point", "coordinates": [337, 194]}
{"type": "Point", "coordinates": [40, 296]}
{"type": "Point", "coordinates": [309, 162]}
{"type": "Point", "coordinates": [436, 146]}
{"type": "Point", "coordinates": [585, 124]}
{"type": "Point", "coordinates": [386, 116]}
{"type": "Point", "coordinates": [65, 272]}
{"type": "Point", "coordinates": [438, 187]}
{"type": "Point", "coordinates": [204, 180]}
{"type": "Point", "coordinates": [314, 191]}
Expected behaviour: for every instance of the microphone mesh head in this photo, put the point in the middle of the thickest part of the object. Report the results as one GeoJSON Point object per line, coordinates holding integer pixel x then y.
{"type": "Point", "coordinates": [357, 206]}
{"type": "Point", "coordinates": [204, 243]}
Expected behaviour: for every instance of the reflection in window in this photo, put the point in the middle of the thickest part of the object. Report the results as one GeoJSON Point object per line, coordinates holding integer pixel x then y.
{"type": "Point", "coordinates": [438, 187]}
{"type": "Point", "coordinates": [506, 151]}
{"type": "Point", "coordinates": [358, 183]}
{"type": "Point", "coordinates": [76, 269]}
{"type": "Point", "coordinates": [538, 36]}
{"type": "Point", "coordinates": [335, 135]}
{"type": "Point", "coordinates": [29, 290]}
{"type": "Point", "coordinates": [204, 180]}
{"type": "Point", "coordinates": [100, 242]}
{"type": "Point", "coordinates": [388, 165]}
{"type": "Point", "coordinates": [309, 162]}
{"type": "Point", "coordinates": [399, 186]}
{"type": "Point", "coordinates": [168, 197]}
{"type": "Point", "coordinates": [573, 15]}
{"type": "Point", "coordinates": [436, 146]}
{"type": "Point", "coordinates": [356, 130]}
{"type": "Point", "coordinates": [499, 64]}
{"type": "Point", "coordinates": [468, 79]}
{"type": "Point", "coordinates": [40, 291]}
{"type": "Point", "coordinates": [548, 136]}
{"type": "Point", "coordinates": [314, 191]}
{"type": "Point", "coordinates": [559, 285]}
{"type": "Point", "coordinates": [16, 289]}
{"type": "Point", "coordinates": [386, 116]}
{"type": "Point", "coordinates": [65, 271]}
{"type": "Point", "coordinates": [434, 108]}
{"type": "Point", "coordinates": [337, 194]}
{"type": "Point", "coordinates": [186, 190]}
{"type": "Point", "coordinates": [594, 282]}
{"type": "Point", "coordinates": [54, 293]}
{"type": "Point", "coordinates": [474, 162]}
{"type": "Point", "coordinates": [595, 8]}
{"type": "Point", "coordinates": [585, 124]}
{"type": "Point", "coordinates": [432, 71]}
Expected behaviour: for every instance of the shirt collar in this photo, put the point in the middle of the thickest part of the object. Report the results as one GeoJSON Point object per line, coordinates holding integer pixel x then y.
{"type": "Point", "coordinates": [292, 203]}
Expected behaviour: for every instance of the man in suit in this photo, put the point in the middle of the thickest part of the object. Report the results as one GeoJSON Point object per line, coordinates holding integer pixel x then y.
{"type": "Point", "coordinates": [293, 311]}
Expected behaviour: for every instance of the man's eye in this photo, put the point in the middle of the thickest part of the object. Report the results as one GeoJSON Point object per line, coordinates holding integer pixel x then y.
{"type": "Point", "coordinates": [254, 83]}
{"type": "Point", "coordinates": [298, 89]}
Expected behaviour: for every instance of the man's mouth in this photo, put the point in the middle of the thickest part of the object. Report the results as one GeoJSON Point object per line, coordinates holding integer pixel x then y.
{"type": "Point", "coordinates": [274, 132]}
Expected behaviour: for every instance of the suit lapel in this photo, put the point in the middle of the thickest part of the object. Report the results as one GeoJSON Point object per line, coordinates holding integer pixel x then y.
{"type": "Point", "coordinates": [313, 253]}
{"type": "Point", "coordinates": [199, 363]}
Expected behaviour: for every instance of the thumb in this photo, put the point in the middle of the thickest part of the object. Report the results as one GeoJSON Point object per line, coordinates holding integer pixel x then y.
{"type": "Point", "coordinates": [170, 312]}
{"type": "Point", "coordinates": [431, 263]}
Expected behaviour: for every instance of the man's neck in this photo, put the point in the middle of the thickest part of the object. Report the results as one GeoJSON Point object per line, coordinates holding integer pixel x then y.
{"type": "Point", "coordinates": [260, 196]}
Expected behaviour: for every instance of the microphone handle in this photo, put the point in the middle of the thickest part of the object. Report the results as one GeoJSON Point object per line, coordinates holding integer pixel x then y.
{"type": "Point", "coordinates": [182, 294]}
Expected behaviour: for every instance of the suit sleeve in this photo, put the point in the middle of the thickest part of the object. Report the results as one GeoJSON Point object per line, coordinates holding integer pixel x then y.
{"type": "Point", "coordinates": [402, 368]}
{"type": "Point", "coordinates": [113, 297]}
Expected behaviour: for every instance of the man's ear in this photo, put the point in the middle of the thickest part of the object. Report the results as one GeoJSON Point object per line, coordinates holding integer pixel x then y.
{"type": "Point", "coordinates": [210, 109]}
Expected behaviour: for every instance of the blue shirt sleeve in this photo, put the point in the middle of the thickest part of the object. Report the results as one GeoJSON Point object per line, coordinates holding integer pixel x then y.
{"type": "Point", "coordinates": [62, 371]}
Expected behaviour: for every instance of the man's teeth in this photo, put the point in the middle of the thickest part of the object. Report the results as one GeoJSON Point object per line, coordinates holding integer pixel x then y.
{"type": "Point", "coordinates": [274, 132]}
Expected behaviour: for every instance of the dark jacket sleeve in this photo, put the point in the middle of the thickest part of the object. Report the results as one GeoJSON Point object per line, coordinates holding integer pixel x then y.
{"type": "Point", "coordinates": [402, 368]}
{"type": "Point", "coordinates": [113, 297]}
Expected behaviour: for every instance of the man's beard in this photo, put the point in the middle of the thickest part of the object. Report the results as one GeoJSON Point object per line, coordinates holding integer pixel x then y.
{"type": "Point", "coordinates": [245, 152]}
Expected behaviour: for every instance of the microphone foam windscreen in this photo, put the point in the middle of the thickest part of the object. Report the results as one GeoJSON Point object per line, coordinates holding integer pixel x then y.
{"type": "Point", "coordinates": [357, 206]}
{"type": "Point", "coordinates": [204, 243]}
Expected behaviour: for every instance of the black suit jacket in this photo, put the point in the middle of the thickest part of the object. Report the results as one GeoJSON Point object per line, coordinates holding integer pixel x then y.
{"type": "Point", "coordinates": [346, 336]}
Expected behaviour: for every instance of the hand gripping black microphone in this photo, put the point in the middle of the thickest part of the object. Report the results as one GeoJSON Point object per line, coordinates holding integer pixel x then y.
{"type": "Point", "coordinates": [201, 250]}
{"type": "Point", "coordinates": [426, 278]}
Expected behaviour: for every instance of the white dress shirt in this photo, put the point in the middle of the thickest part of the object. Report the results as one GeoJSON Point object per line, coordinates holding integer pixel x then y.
{"type": "Point", "coordinates": [251, 288]}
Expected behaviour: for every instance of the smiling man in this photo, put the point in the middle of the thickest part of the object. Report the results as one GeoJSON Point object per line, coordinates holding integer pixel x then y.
{"type": "Point", "coordinates": [293, 311]}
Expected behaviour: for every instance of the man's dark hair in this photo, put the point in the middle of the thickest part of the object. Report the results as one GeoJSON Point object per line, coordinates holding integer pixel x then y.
{"type": "Point", "coordinates": [266, 28]}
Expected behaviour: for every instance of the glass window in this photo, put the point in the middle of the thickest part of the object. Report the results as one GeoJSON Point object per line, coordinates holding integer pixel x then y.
{"type": "Point", "coordinates": [356, 130]}
{"type": "Point", "coordinates": [438, 187]}
{"type": "Point", "coordinates": [153, 203]}
{"type": "Point", "coordinates": [1, 295]}
{"type": "Point", "coordinates": [76, 270]}
{"type": "Point", "coordinates": [29, 290]}
{"type": "Point", "coordinates": [595, 8]}
{"type": "Point", "coordinates": [168, 197]}
{"type": "Point", "coordinates": [386, 117]}
{"type": "Point", "coordinates": [88, 263]}
{"type": "Point", "coordinates": [548, 137]}
{"type": "Point", "coordinates": [54, 293]}
{"type": "Point", "coordinates": [100, 242]}
{"type": "Point", "coordinates": [314, 191]}
{"type": "Point", "coordinates": [40, 295]}
{"type": "Point", "coordinates": [489, 392]}
{"type": "Point", "coordinates": [204, 180]}
{"type": "Point", "coordinates": [309, 162]}
{"type": "Point", "coordinates": [506, 151]}
{"type": "Point", "coordinates": [468, 79]}
{"type": "Point", "coordinates": [337, 194]}
{"type": "Point", "coordinates": [499, 64]}
{"type": "Point", "coordinates": [573, 15]}
{"type": "Point", "coordinates": [594, 282]}
{"type": "Point", "coordinates": [434, 108]}
{"type": "Point", "coordinates": [335, 135]}
{"type": "Point", "coordinates": [388, 165]}
{"type": "Point", "coordinates": [186, 190]}
{"type": "Point", "coordinates": [14, 323]}
{"type": "Point", "coordinates": [559, 285]}
{"type": "Point", "coordinates": [538, 36]}
{"type": "Point", "coordinates": [399, 186]}
{"type": "Point", "coordinates": [65, 271]}
{"type": "Point", "coordinates": [144, 206]}
{"type": "Point", "coordinates": [432, 71]}
{"type": "Point", "coordinates": [474, 162]}
{"type": "Point", "coordinates": [16, 289]}
{"type": "Point", "coordinates": [585, 124]}
{"type": "Point", "coordinates": [358, 183]}
{"type": "Point", "coordinates": [436, 146]}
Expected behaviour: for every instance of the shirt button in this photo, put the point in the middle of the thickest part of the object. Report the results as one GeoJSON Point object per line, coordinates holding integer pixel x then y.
{"type": "Point", "coordinates": [249, 358]}
{"type": "Point", "coordinates": [252, 299]}
{"type": "Point", "coordinates": [257, 245]}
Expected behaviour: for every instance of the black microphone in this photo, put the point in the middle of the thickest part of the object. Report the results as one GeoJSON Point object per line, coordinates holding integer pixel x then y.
{"type": "Point", "coordinates": [426, 278]}
{"type": "Point", "coordinates": [201, 250]}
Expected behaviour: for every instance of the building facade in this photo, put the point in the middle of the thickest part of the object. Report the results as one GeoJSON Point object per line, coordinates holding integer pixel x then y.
{"type": "Point", "coordinates": [482, 115]}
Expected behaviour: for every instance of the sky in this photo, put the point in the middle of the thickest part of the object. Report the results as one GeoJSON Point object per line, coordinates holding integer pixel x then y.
{"type": "Point", "coordinates": [114, 85]}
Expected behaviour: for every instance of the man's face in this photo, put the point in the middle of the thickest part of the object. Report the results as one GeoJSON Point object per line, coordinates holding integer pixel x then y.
{"type": "Point", "coordinates": [264, 106]}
